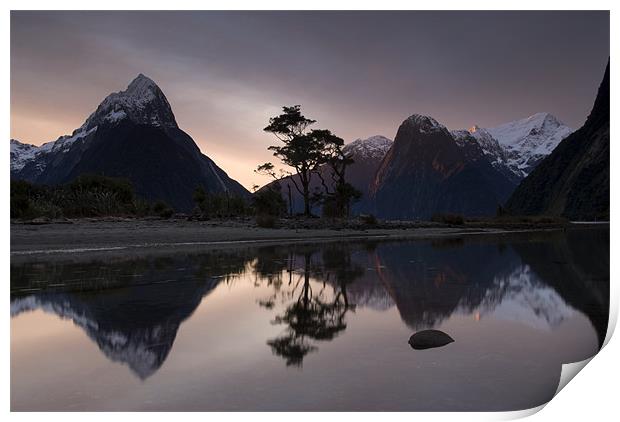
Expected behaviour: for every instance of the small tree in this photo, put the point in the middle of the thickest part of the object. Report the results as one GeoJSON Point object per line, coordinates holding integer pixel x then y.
{"type": "Point", "coordinates": [268, 169]}
{"type": "Point", "coordinates": [301, 150]}
{"type": "Point", "coordinates": [337, 201]}
{"type": "Point", "coordinates": [268, 201]}
{"type": "Point", "coordinates": [200, 197]}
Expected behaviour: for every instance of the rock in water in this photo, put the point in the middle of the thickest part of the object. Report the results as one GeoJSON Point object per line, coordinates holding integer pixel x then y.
{"type": "Point", "coordinates": [428, 339]}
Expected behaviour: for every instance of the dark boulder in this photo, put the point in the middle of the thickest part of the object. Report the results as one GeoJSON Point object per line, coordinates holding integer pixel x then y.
{"type": "Point", "coordinates": [428, 339]}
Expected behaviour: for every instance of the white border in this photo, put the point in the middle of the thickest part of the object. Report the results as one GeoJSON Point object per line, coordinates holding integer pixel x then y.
{"type": "Point", "coordinates": [591, 396]}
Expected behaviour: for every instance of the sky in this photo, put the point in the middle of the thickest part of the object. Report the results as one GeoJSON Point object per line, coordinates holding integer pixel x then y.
{"type": "Point", "coordinates": [358, 74]}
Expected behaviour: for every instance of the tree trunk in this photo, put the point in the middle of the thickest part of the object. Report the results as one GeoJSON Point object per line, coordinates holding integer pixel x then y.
{"type": "Point", "coordinates": [306, 200]}
{"type": "Point", "coordinates": [290, 200]}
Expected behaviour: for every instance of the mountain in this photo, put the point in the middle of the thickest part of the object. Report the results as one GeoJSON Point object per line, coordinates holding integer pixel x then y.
{"type": "Point", "coordinates": [528, 141]}
{"type": "Point", "coordinates": [427, 172]}
{"type": "Point", "coordinates": [131, 134]}
{"type": "Point", "coordinates": [21, 154]}
{"type": "Point", "coordinates": [366, 154]}
{"type": "Point", "coordinates": [371, 149]}
{"type": "Point", "coordinates": [480, 143]}
{"type": "Point", "coordinates": [516, 148]}
{"type": "Point", "coordinates": [573, 181]}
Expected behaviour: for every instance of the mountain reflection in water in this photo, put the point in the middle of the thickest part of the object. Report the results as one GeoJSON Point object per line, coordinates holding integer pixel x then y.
{"type": "Point", "coordinates": [132, 308]}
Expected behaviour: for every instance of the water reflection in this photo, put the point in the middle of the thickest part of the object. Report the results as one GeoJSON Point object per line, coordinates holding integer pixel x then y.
{"type": "Point", "coordinates": [313, 315]}
{"type": "Point", "coordinates": [132, 308]}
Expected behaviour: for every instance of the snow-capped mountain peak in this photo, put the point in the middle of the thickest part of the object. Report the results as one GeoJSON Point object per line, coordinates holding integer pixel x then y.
{"type": "Point", "coordinates": [527, 141]}
{"type": "Point", "coordinates": [131, 133]}
{"type": "Point", "coordinates": [541, 130]}
{"type": "Point", "coordinates": [141, 87]}
{"type": "Point", "coordinates": [520, 145]}
{"type": "Point", "coordinates": [21, 153]}
{"type": "Point", "coordinates": [461, 136]}
{"type": "Point", "coordinates": [425, 124]}
{"type": "Point", "coordinates": [491, 149]}
{"type": "Point", "coordinates": [143, 102]}
{"type": "Point", "coordinates": [488, 143]}
{"type": "Point", "coordinates": [374, 147]}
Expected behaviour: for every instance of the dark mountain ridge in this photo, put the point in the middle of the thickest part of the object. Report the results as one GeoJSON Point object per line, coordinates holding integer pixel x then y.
{"type": "Point", "coordinates": [573, 181]}
{"type": "Point", "coordinates": [427, 172]}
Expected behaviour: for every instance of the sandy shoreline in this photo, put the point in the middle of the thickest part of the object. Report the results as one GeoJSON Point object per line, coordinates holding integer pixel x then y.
{"type": "Point", "coordinates": [143, 236]}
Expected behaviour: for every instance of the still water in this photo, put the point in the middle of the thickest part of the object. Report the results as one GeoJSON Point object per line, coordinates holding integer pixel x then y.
{"type": "Point", "coordinates": [310, 327]}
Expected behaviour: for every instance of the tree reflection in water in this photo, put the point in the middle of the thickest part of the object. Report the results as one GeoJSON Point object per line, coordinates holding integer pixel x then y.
{"type": "Point", "coordinates": [313, 316]}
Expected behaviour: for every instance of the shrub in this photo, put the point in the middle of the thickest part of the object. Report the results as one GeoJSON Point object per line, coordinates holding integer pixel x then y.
{"type": "Point", "coordinates": [21, 205]}
{"type": "Point", "coordinates": [45, 209]}
{"type": "Point", "coordinates": [330, 209]}
{"type": "Point", "coordinates": [167, 213]}
{"type": "Point", "coordinates": [162, 209]}
{"type": "Point", "coordinates": [119, 187]}
{"type": "Point", "coordinates": [455, 219]}
{"type": "Point", "coordinates": [141, 207]}
{"type": "Point", "coordinates": [269, 201]}
{"type": "Point", "coordinates": [94, 196]}
{"type": "Point", "coordinates": [218, 204]}
{"type": "Point", "coordinates": [368, 219]}
{"type": "Point", "coordinates": [266, 221]}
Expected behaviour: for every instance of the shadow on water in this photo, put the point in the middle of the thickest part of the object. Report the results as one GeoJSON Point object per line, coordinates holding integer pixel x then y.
{"type": "Point", "coordinates": [132, 308]}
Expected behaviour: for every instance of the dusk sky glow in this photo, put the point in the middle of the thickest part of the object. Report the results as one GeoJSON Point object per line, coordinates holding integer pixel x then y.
{"type": "Point", "coordinates": [357, 73]}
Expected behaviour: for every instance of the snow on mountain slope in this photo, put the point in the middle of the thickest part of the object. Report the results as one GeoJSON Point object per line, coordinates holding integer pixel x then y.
{"type": "Point", "coordinates": [374, 147]}
{"type": "Point", "coordinates": [142, 102]}
{"type": "Point", "coordinates": [539, 133]}
{"type": "Point", "coordinates": [425, 124]}
{"type": "Point", "coordinates": [527, 141]}
{"type": "Point", "coordinates": [519, 145]}
{"type": "Point", "coordinates": [63, 143]}
{"type": "Point", "coordinates": [21, 154]}
{"type": "Point", "coordinates": [490, 146]}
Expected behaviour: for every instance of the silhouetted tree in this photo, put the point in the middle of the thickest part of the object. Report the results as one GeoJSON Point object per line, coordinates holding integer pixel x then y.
{"type": "Point", "coordinates": [301, 150]}
{"type": "Point", "coordinates": [268, 169]}
{"type": "Point", "coordinates": [338, 197]}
